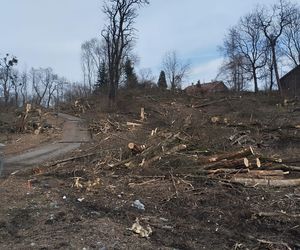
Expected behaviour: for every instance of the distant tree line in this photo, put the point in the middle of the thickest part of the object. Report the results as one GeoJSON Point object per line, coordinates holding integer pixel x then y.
{"type": "Point", "coordinates": [263, 42]}
{"type": "Point", "coordinates": [39, 86]}
{"type": "Point", "coordinates": [108, 63]}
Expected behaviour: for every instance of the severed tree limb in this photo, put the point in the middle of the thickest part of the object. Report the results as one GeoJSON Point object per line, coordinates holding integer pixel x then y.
{"type": "Point", "coordinates": [70, 159]}
{"type": "Point", "coordinates": [171, 138]}
{"type": "Point", "coordinates": [121, 162]}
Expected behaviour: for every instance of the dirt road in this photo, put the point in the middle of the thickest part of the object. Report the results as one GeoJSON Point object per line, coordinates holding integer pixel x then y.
{"type": "Point", "coordinates": [74, 133]}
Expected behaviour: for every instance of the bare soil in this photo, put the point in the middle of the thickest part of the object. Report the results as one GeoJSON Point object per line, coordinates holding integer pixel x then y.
{"type": "Point", "coordinates": [87, 202]}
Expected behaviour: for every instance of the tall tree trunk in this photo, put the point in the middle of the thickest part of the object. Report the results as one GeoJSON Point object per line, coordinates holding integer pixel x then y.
{"type": "Point", "coordinates": [271, 79]}
{"type": "Point", "coordinates": [6, 93]}
{"type": "Point", "coordinates": [276, 68]}
{"type": "Point", "coordinates": [112, 92]}
{"type": "Point", "coordinates": [255, 79]}
{"type": "Point", "coordinates": [6, 87]}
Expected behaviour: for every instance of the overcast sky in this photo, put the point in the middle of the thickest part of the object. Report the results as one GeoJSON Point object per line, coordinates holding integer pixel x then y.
{"type": "Point", "coordinates": [49, 33]}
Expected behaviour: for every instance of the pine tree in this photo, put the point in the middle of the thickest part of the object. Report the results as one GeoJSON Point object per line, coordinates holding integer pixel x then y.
{"type": "Point", "coordinates": [130, 76]}
{"type": "Point", "coordinates": [102, 78]}
{"type": "Point", "coordinates": [162, 82]}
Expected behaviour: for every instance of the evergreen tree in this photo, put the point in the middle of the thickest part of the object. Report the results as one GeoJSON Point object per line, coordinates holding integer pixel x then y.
{"type": "Point", "coordinates": [130, 76]}
{"type": "Point", "coordinates": [162, 82]}
{"type": "Point", "coordinates": [102, 78]}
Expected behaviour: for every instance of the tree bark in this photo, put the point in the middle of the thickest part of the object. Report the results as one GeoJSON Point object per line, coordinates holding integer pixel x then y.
{"type": "Point", "coordinates": [255, 80]}
{"type": "Point", "coordinates": [276, 67]}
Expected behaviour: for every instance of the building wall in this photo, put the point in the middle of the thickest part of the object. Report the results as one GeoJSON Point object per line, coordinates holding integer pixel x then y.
{"type": "Point", "coordinates": [291, 82]}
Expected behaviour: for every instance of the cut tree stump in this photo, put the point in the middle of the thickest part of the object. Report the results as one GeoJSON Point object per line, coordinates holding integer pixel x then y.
{"type": "Point", "coordinates": [135, 148]}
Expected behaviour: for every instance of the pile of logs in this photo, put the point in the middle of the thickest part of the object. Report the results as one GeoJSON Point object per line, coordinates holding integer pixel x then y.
{"type": "Point", "coordinates": [244, 166]}
{"type": "Point", "coordinates": [251, 169]}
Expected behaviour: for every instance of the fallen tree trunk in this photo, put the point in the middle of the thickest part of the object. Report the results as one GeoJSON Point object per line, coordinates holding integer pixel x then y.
{"type": "Point", "coordinates": [285, 168]}
{"type": "Point", "coordinates": [237, 163]}
{"type": "Point", "coordinates": [266, 182]}
{"type": "Point", "coordinates": [276, 214]}
{"type": "Point", "coordinates": [248, 173]}
{"type": "Point", "coordinates": [232, 155]}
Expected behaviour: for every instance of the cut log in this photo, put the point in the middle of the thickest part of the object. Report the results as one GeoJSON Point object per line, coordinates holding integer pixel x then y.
{"type": "Point", "coordinates": [250, 182]}
{"type": "Point", "coordinates": [232, 155]}
{"type": "Point", "coordinates": [236, 163]}
{"type": "Point", "coordinates": [135, 148]}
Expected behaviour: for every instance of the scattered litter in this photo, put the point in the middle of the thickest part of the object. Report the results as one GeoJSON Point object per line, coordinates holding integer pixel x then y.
{"type": "Point", "coordinates": [137, 204]}
{"type": "Point", "coordinates": [80, 199]}
{"type": "Point", "coordinates": [64, 197]}
{"type": "Point", "coordinates": [138, 229]}
{"type": "Point", "coordinates": [77, 184]}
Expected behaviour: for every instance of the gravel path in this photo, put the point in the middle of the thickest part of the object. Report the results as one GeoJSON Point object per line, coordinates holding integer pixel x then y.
{"type": "Point", "coordinates": [74, 133]}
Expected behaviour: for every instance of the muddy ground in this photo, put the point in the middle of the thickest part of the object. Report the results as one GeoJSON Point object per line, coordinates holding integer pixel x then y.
{"type": "Point", "coordinates": [86, 201]}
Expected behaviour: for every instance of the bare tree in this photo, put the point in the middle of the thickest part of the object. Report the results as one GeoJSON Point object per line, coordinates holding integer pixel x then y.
{"type": "Point", "coordinates": [273, 23]}
{"type": "Point", "coordinates": [44, 83]}
{"type": "Point", "coordinates": [24, 87]}
{"type": "Point", "coordinates": [16, 86]}
{"type": "Point", "coordinates": [291, 39]}
{"type": "Point", "coordinates": [252, 46]}
{"type": "Point", "coordinates": [174, 69]}
{"type": "Point", "coordinates": [233, 70]}
{"type": "Point", "coordinates": [92, 55]}
{"type": "Point", "coordinates": [119, 36]}
{"type": "Point", "coordinates": [75, 91]}
{"type": "Point", "coordinates": [6, 67]}
{"type": "Point", "coordinates": [146, 78]}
